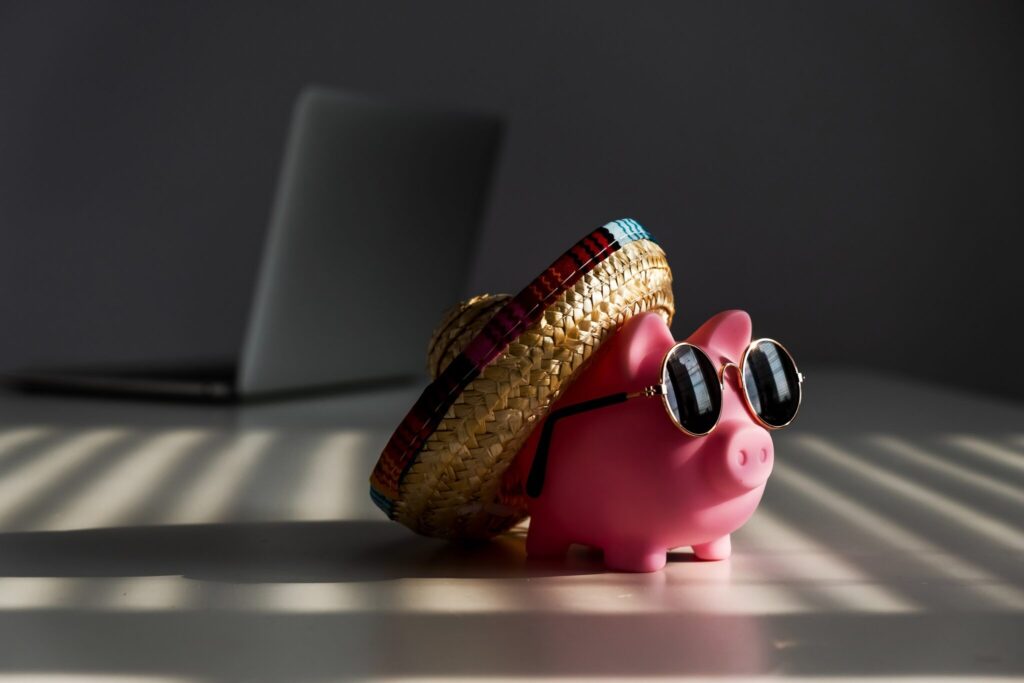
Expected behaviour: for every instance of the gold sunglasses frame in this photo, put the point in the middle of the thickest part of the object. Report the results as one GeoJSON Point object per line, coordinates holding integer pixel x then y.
{"type": "Point", "coordinates": [662, 389]}
{"type": "Point", "coordinates": [535, 479]}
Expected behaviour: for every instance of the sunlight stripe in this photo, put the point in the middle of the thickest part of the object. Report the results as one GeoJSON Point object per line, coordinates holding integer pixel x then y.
{"type": "Point", "coordinates": [19, 488]}
{"type": "Point", "coordinates": [979, 523]}
{"type": "Point", "coordinates": [111, 499]}
{"type": "Point", "coordinates": [978, 580]}
{"type": "Point", "coordinates": [667, 592]}
{"type": "Point", "coordinates": [307, 598]}
{"type": "Point", "coordinates": [24, 593]}
{"type": "Point", "coordinates": [836, 580]}
{"type": "Point", "coordinates": [12, 439]}
{"type": "Point", "coordinates": [721, 678]}
{"type": "Point", "coordinates": [990, 451]}
{"type": "Point", "coordinates": [332, 487]}
{"type": "Point", "coordinates": [106, 677]}
{"type": "Point", "coordinates": [137, 593]}
{"type": "Point", "coordinates": [912, 453]}
{"type": "Point", "coordinates": [223, 481]}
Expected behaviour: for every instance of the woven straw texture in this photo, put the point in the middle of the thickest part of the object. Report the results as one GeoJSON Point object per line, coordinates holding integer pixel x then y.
{"type": "Point", "coordinates": [454, 489]}
{"type": "Point", "coordinates": [457, 328]}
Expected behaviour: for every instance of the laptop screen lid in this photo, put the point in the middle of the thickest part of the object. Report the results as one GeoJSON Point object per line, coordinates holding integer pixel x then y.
{"type": "Point", "coordinates": [370, 239]}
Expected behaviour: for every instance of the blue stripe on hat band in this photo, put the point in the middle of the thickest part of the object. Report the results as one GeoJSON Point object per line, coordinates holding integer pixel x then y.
{"type": "Point", "coordinates": [626, 230]}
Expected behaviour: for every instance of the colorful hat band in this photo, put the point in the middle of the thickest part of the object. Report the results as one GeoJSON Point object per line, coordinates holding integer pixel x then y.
{"type": "Point", "coordinates": [508, 323]}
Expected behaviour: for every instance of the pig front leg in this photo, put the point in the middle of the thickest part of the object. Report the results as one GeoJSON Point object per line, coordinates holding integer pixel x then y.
{"type": "Point", "coordinates": [634, 557]}
{"type": "Point", "coordinates": [718, 549]}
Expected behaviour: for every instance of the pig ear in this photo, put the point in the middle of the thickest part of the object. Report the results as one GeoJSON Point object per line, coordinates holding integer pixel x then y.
{"type": "Point", "coordinates": [641, 345]}
{"type": "Point", "coordinates": [726, 334]}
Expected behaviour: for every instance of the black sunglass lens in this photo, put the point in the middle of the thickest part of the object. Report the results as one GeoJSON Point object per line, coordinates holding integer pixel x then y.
{"type": "Point", "coordinates": [694, 395]}
{"type": "Point", "coordinates": [772, 383]}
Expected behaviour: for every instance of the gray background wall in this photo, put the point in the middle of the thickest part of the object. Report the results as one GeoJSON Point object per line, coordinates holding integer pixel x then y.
{"type": "Point", "coordinates": [850, 173]}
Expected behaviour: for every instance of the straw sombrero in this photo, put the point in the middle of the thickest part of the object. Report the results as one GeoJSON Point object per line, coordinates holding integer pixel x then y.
{"type": "Point", "coordinates": [498, 363]}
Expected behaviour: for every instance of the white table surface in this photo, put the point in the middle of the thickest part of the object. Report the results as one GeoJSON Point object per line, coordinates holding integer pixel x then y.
{"type": "Point", "coordinates": [165, 542]}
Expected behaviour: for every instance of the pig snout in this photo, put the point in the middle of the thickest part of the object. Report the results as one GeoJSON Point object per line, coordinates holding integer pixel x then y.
{"type": "Point", "coordinates": [743, 458]}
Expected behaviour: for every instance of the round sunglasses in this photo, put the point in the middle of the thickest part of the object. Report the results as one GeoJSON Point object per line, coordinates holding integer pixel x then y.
{"type": "Point", "coordinates": [691, 390]}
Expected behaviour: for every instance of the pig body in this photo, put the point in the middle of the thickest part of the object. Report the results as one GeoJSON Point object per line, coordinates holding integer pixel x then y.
{"type": "Point", "coordinates": [625, 479]}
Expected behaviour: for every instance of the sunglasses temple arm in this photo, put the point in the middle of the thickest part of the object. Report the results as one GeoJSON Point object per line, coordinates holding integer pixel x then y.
{"type": "Point", "coordinates": [535, 480]}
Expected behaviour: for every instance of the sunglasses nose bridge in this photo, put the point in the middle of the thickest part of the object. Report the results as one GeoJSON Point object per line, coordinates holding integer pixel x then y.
{"type": "Point", "coordinates": [725, 367]}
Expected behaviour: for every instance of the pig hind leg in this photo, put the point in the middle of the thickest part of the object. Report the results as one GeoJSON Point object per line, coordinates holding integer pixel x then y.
{"type": "Point", "coordinates": [634, 557]}
{"type": "Point", "coordinates": [718, 549]}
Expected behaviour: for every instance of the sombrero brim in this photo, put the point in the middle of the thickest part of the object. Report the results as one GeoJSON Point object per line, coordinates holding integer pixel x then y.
{"type": "Point", "coordinates": [440, 473]}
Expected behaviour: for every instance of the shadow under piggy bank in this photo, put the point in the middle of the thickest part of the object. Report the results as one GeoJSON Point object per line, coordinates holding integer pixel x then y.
{"type": "Point", "coordinates": [293, 552]}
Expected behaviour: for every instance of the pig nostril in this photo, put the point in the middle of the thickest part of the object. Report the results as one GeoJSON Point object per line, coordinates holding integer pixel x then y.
{"type": "Point", "coordinates": [743, 457]}
{"type": "Point", "coordinates": [764, 455]}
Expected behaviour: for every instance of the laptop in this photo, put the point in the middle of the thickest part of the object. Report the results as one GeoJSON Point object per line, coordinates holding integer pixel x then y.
{"type": "Point", "coordinates": [370, 239]}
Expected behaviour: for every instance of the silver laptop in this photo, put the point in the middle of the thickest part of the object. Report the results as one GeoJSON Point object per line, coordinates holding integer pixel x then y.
{"type": "Point", "coordinates": [370, 239]}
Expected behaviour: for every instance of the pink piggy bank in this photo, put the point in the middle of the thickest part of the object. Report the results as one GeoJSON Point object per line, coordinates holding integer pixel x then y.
{"type": "Point", "coordinates": [626, 479]}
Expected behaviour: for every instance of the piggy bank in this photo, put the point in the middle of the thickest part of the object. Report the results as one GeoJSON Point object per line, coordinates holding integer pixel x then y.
{"type": "Point", "coordinates": [626, 479]}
